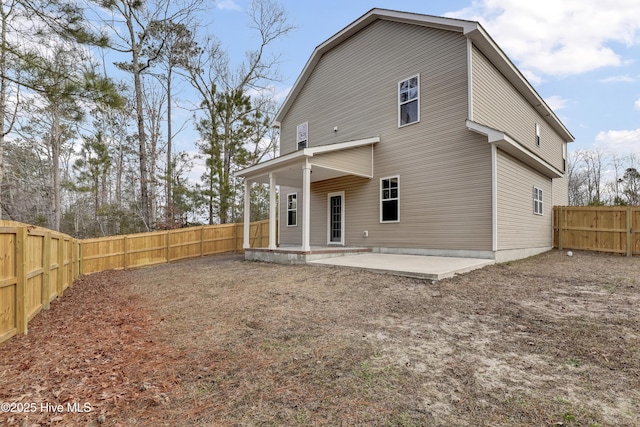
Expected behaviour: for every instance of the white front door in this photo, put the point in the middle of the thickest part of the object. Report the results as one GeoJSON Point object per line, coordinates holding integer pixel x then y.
{"type": "Point", "coordinates": [335, 220]}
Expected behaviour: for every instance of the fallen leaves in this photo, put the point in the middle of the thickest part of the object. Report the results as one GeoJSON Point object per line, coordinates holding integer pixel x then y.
{"type": "Point", "coordinates": [92, 347]}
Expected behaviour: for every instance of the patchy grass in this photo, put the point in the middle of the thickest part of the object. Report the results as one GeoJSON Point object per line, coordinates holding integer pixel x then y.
{"type": "Point", "coordinates": [546, 341]}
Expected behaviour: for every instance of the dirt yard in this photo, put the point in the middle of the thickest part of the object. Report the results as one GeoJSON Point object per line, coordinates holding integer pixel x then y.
{"type": "Point", "coordinates": [549, 341]}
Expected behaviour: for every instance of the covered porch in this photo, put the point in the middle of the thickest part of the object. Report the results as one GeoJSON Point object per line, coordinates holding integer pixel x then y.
{"type": "Point", "coordinates": [299, 169]}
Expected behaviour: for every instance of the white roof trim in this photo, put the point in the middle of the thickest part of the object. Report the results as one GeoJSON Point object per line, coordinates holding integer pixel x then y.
{"type": "Point", "coordinates": [509, 145]}
{"type": "Point", "coordinates": [279, 162]}
{"type": "Point", "coordinates": [471, 29]}
{"type": "Point", "coordinates": [483, 41]}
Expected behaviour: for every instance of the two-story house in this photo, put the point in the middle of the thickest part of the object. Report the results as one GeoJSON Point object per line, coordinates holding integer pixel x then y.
{"type": "Point", "coordinates": [414, 134]}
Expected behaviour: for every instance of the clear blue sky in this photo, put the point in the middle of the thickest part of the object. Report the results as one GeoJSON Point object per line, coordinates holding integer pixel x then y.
{"type": "Point", "coordinates": [582, 56]}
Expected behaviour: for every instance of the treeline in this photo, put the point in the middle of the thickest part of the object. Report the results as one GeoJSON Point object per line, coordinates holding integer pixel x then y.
{"type": "Point", "coordinates": [599, 178]}
{"type": "Point", "coordinates": [88, 153]}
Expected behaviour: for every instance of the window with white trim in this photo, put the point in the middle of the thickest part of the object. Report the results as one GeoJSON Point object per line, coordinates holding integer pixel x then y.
{"type": "Point", "coordinates": [302, 135]}
{"type": "Point", "coordinates": [390, 199]}
{"type": "Point", "coordinates": [409, 101]}
{"type": "Point", "coordinates": [537, 201]}
{"type": "Point", "coordinates": [537, 134]}
{"type": "Point", "coordinates": [292, 210]}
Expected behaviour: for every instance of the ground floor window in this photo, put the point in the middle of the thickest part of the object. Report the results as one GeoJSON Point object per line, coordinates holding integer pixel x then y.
{"type": "Point", "coordinates": [292, 210]}
{"type": "Point", "coordinates": [537, 201]}
{"type": "Point", "coordinates": [390, 199]}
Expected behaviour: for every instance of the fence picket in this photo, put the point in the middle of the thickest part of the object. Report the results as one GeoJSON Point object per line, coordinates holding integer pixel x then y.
{"type": "Point", "coordinates": [611, 229]}
{"type": "Point", "coordinates": [61, 259]}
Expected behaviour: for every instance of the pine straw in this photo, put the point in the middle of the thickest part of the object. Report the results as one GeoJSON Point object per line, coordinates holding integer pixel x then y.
{"type": "Point", "coordinates": [93, 346]}
{"type": "Point", "coordinates": [550, 340]}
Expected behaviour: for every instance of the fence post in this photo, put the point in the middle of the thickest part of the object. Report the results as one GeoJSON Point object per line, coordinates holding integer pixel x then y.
{"type": "Point", "coordinates": [235, 237]}
{"type": "Point", "coordinates": [76, 260]}
{"type": "Point", "coordinates": [124, 248]}
{"type": "Point", "coordinates": [80, 257]}
{"type": "Point", "coordinates": [21, 276]}
{"type": "Point", "coordinates": [202, 241]}
{"type": "Point", "coordinates": [560, 224]}
{"type": "Point", "coordinates": [46, 270]}
{"type": "Point", "coordinates": [60, 266]}
{"type": "Point", "coordinates": [168, 247]}
{"type": "Point", "coordinates": [629, 213]}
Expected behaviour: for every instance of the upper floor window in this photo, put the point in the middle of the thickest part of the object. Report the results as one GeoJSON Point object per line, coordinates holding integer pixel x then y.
{"type": "Point", "coordinates": [409, 101]}
{"type": "Point", "coordinates": [538, 135]}
{"type": "Point", "coordinates": [302, 135]}
{"type": "Point", "coordinates": [537, 201]}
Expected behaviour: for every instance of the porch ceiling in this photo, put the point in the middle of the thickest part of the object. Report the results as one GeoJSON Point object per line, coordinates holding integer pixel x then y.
{"type": "Point", "coordinates": [325, 162]}
{"type": "Point", "coordinates": [291, 176]}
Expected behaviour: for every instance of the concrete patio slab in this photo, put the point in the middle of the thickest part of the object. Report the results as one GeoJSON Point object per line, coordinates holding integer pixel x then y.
{"type": "Point", "coordinates": [419, 266]}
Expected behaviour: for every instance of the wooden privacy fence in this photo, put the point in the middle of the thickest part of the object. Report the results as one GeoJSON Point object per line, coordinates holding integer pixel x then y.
{"type": "Point", "coordinates": [37, 265]}
{"type": "Point", "coordinates": [144, 249]}
{"type": "Point", "coordinates": [614, 229]}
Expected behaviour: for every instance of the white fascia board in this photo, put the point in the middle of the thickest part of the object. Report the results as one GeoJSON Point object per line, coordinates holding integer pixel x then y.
{"type": "Point", "coordinates": [511, 146]}
{"type": "Point", "coordinates": [269, 165]}
{"type": "Point", "coordinates": [342, 145]}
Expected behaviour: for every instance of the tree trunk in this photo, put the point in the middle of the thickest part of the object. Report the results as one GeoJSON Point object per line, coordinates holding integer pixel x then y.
{"type": "Point", "coordinates": [119, 172]}
{"type": "Point", "coordinates": [56, 214]}
{"type": "Point", "coordinates": [142, 141]}
{"type": "Point", "coordinates": [3, 97]}
{"type": "Point", "coordinates": [169, 209]}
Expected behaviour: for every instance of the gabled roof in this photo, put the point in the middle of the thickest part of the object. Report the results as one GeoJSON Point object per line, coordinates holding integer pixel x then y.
{"type": "Point", "coordinates": [471, 29]}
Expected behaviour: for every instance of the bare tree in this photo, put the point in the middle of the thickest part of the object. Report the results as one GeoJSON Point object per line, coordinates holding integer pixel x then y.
{"type": "Point", "coordinates": [593, 160]}
{"type": "Point", "coordinates": [132, 21]}
{"type": "Point", "coordinates": [228, 127]}
{"type": "Point", "coordinates": [577, 178]}
{"type": "Point", "coordinates": [155, 102]}
{"type": "Point", "coordinates": [177, 42]}
{"type": "Point", "coordinates": [7, 117]}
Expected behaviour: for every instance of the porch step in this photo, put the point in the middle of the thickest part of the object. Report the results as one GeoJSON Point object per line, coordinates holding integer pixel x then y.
{"type": "Point", "coordinates": [295, 255]}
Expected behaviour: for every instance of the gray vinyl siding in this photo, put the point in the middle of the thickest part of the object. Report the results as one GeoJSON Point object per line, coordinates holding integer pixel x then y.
{"type": "Point", "coordinates": [356, 200]}
{"type": "Point", "coordinates": [289, 236]}
{"type": "Point", "coordinates": [497, 104]}
{"type": "Point", "coordinates": [444, 169]}
{"type": "Point", "coordinates": [518, 226]}
{"type": "Point", "coordinates": [354, 86]}
{"type": "Point", "coordinates": [560, 191]}
{"type": "Point", "coordinates": [355, 160]}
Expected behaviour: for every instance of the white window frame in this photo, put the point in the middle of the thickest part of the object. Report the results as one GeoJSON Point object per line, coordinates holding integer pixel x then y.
{"type": "Point", "coordinates": [302, 135]}
{"type": "Point", "coordinates": [295, 209]}
{"type": "Point", "coordinates": [397, 177]}
{"type": "Point", "coordinates": [401, 103]}
{"type": "Point", "coordinates": [538, 201]}
{"type": "Point", "coordinates": [342, 218]}
{"type": "Point", "coordinates": [538, 138]}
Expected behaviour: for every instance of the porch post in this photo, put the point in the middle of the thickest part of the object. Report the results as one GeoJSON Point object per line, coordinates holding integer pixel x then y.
{"type": "Point", "coordinates": [246, 243]}
{"type": "Point", "coordinates": [272, 211]}
{"type": "Point", "coordinates": [306, 205]}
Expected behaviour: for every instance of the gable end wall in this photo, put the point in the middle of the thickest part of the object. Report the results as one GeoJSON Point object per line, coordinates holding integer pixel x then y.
{"type": "Point", "coordinates": [444, 169]}
{"type": "Point", "coordinates": [498, 105]}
